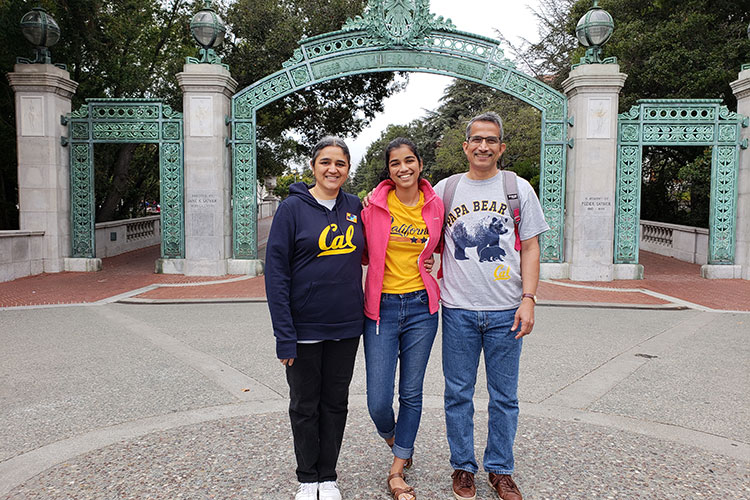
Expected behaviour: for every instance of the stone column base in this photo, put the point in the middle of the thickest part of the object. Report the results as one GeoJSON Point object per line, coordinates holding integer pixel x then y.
{"type": "Point", "coordinates": [248, 267]}
{"type": "Point", "coordinates": [554, 270]}
{"type": "Point", "coordinates": [169, 266]}
{"type": "Point", "coordinates": [715, 272]}
{"type": "Point", "coordinates": [82, 265]}
{"type": "Point", "coordinates": [591, 273]}
{"type": "Point", "coordinates": [54, 265]}
{"type": "Point", "coordinates": [205, 267]}
{"type": "Point", "coordinates": [628, 272]}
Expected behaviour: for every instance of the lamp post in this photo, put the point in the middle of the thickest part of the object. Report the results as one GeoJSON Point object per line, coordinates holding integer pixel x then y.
{"type": "Point", "coordinates": [208, 31]}
{"type": "Point", "coordinates": [42, 31]}
{"type": "Point", "coordinates": [593, 30]}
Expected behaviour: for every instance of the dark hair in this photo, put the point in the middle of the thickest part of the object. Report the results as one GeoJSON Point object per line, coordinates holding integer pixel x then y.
{"type": "Point", "coordinates": [491, 117]}
{"type": "Point", "coordinates": [331, 140]}
{"type": "Point", "coordinates": [395, 144]}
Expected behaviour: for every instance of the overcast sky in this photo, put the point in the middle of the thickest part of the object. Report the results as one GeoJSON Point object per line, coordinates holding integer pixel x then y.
{"type": "Point", "coordinates": [482, 17]}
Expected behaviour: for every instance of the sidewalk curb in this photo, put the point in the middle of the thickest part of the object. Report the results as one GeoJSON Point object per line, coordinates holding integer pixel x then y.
{"type": "Point", "coordinates": [611, 305]}
{"type": "Point", "coordinates": [542, 303]}
{"type": "Point", "coordinates": [217, 300]}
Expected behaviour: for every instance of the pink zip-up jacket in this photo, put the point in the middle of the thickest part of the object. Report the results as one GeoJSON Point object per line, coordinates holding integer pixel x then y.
{"type": "Point", "coordinates": [376, 219]}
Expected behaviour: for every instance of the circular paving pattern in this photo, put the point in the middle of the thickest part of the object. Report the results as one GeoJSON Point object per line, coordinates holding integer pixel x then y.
{"type": "Point", "coordinates": [251, 457]}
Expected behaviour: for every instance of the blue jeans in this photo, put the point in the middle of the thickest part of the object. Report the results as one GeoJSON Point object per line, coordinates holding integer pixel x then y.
{"type": "Point", "coordinates": [465, 334]}
{"type": "Point", "coordinates": [406, 333]}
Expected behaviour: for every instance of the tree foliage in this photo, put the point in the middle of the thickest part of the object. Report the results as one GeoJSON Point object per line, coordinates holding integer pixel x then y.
{"type": "Point", "coordinates": [440, 136]}
{"type": "Point", "coordinates": [266, 34]}
{"type": "Point", "coordinates": [688, 50]}
{"type": "Point", "coordinates": [134, 48]}
{"type": "Point", "coordinates": [113, 48]}
{"type": "Point", "coordinates": [549, 58]}
{"type": "Point", "coordinates": [681, 50]}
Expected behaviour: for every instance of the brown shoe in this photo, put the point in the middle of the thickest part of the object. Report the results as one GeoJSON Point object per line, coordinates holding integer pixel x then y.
{"type": "Point", "coordinates": [504, 486]}
{"type": "Point", "coordinates": [397, 492]}
{"type": "Point", "coordinates": [463, 485]}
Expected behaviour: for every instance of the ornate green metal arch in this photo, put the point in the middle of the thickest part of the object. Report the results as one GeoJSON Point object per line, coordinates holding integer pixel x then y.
{"type": "Point", "coordinates": [398, 35]}
{"type": "Point", "coordinates": [679, 122]}
{"type": "Point", "coordinates": [125, 121]}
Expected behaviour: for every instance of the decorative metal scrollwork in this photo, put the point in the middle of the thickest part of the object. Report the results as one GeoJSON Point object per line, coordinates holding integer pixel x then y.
{"type": "Point", "coordinates": [398, 23]}
{"type": "Point", "coordinates": [126, 121]}
{"type": "Point", "coordinates": [399, 35]}
{"type": "Point", "coordinates": [678, 122]}
{"type": "Point", "coordinates": [82, 200]}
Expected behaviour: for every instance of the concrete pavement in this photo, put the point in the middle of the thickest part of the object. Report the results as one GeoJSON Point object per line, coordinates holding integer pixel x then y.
{"type": "Point", "coordinates": [128, 385]}
{"type": "Point", "coordinates": [187, 401]}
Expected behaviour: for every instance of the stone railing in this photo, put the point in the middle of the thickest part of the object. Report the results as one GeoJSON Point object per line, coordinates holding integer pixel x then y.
{"type": "Point", "coordinates": [21, 254]}
{"type": "Point", "coordinates": [686, 243]}
{"type": "Point", "coordinates": [267, 208]}
{"type": "Point", "coordinates": [120, 236]}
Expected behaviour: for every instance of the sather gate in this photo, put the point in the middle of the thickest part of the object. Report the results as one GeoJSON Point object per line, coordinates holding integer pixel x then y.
{"type": "Point", "coordinates": [398, 36]}
{"type": "Point", "coordinates": [578, 188]}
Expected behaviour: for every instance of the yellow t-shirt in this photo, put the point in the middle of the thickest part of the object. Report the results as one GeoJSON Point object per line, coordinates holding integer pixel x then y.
{"type": "Point", "coordinates": [406, 242]}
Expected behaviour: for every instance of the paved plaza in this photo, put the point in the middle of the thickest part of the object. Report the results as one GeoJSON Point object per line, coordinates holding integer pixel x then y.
{"type": "Point", "coordinates": [188, 401]}
{"type": "Point", "coordinates": [123, 384]}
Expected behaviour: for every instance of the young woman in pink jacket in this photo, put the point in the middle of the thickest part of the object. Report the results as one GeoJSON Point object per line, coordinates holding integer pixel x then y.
{"type": "Point", "coordinates": [403, 224]}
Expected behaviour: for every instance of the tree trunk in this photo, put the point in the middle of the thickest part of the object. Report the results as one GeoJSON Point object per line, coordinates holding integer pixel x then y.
{"type": "Point", "coordinates": [119, 183]}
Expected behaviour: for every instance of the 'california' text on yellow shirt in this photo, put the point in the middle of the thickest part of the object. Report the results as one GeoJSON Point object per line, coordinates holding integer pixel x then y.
{"type": "Point", "coordinates": [406, 242]}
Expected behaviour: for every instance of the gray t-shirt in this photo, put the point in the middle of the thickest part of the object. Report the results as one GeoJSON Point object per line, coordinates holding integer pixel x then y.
{"type": "Point", "coordinates": [481, 268]}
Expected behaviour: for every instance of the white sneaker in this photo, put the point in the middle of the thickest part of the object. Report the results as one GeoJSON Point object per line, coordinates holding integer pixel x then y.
{"type": "Point", "coordinates": [329, 490]}
{"type": "Point", "coordinates": [307, 491]}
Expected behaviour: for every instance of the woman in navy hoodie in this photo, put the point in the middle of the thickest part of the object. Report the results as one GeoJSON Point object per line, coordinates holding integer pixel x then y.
{"type": "Point", "coordinates": [314, 289]}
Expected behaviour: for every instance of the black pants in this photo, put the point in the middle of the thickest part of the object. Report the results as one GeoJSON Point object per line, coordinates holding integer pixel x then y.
{"type": "Point", "coordinates": [319, 393]}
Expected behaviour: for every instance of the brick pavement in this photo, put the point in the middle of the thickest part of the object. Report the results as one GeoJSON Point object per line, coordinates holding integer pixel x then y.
{"type": "Point", "coordinates": [121, 274]}
{"type": "Point", "coordinates": [664, 275]}
{"type": "Point", "coordinates": [682, 280]}
{"type": "Point", "coordinates": [668, 282]}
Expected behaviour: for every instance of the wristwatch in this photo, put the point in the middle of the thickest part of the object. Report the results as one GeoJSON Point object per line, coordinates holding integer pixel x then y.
{"type": "Point", "coordinates": [529, 296]}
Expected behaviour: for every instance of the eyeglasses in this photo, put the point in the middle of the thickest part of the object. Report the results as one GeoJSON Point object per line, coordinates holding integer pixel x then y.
{"type": "Point", "coordinates": [491, 140]}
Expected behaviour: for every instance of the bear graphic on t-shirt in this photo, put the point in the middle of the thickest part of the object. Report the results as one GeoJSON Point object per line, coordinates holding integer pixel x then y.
{"type": "Point", "coordinates": [484, 235]}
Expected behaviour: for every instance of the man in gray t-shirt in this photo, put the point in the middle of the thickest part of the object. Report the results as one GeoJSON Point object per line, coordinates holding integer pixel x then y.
{"type": "Point", "coordinates": [488, 295]}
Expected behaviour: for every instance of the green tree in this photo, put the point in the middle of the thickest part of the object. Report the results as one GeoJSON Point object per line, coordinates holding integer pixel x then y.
{"type": "Point", "coordinates": [133, 48]}
{"type": "Point", "coordinates": [113, 48]}
{"type": "Point", "coordinates": [266, 33]}
{"type": "Point", "coordinates": [521, 125]}
{"type": "Point", "coordinates": [688, 49]}
{"type": "Point", "coordinates": [290, 177]}
{"type": "Point", "coordinates": [549, 58]}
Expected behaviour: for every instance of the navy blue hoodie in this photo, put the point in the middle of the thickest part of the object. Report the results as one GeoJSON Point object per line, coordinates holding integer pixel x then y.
{"type": "Point", "coordinates": [314, 270]}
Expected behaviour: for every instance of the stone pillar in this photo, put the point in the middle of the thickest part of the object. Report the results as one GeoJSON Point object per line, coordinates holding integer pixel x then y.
{"type": "Point", "coordinates": [207, 92]}
{"type": "Point", "coordinates": [741, 88]}
{"type": "Point", "coordinates": [593, 91]}
{"type": "Point", "coordinates": [43, 96]}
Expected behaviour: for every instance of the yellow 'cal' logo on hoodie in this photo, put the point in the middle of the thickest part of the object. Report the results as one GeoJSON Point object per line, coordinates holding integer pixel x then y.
{"type": "Point", "coordinates": [339, 245]}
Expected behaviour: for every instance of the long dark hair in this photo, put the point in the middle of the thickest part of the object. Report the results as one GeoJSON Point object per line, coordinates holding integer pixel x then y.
{"type": "Point", "coordinates": [395, 144]}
